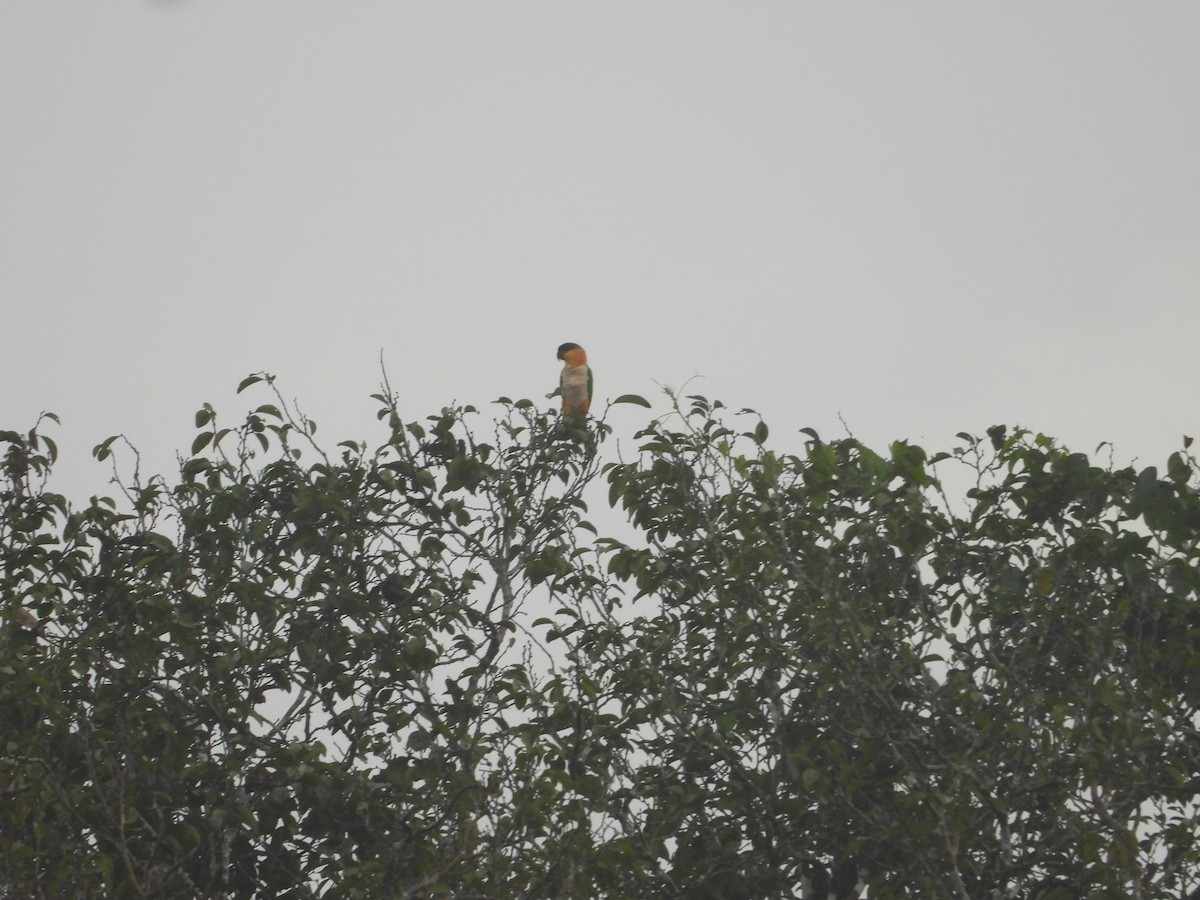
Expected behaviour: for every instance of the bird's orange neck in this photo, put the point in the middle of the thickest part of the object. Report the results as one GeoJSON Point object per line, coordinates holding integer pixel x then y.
{"type": "Point", "coordinates": [576, 357]}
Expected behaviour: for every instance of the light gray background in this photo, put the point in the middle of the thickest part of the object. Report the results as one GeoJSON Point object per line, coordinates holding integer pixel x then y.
{"type": "Point", "coordinates": [924, 217]}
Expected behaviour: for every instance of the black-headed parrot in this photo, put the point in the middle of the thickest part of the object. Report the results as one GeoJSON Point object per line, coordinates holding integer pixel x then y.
{"type": "Point", "coordinates": [575, 383]}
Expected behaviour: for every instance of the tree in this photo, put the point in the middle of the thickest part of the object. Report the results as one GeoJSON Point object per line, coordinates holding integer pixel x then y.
{"type": "Point", "coordinates": [417, 670]}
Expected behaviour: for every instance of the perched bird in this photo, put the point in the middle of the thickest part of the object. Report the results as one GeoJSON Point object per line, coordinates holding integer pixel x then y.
{"type": "Point", "coordinates": [575, 384]}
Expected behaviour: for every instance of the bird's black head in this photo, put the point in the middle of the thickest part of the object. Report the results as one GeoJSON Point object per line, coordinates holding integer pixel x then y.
{"type": "Point", "coordinates": [563, 348]}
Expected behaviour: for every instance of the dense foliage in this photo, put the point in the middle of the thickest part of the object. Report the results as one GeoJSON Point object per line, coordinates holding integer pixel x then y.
{"type": "Point", "coordinates": [418, 670]}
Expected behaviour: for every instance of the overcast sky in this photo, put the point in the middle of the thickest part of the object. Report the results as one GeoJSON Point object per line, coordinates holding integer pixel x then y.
{"type": "Point", "coordinates": [922, 217]}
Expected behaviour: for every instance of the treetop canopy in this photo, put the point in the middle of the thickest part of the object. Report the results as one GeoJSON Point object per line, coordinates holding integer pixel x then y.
{"type": "Point", "coordinates": [418, 669]}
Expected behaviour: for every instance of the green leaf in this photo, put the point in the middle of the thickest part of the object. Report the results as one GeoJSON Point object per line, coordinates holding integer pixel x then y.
{"type": "Point", "coordinates": [101, 451]}
{"type": "Point", "coordinates": [997, 435]}
{"type": "Point", "coordinates": [246, 382]}
{"type": "Point", "coordinates": [202, 440]}
{"type": "Point", "coordinates": [1178, 469]}
{"type": "Point", "coordinates": [1145, 491]}
{"type": "Point", "coordinates": [635, 399]}
{"type": "Point", "coordinates": [875, 466]}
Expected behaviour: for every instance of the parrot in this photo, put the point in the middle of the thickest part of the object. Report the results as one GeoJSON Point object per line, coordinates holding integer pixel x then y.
{"type": "Point", "coordinates": [575, 384]}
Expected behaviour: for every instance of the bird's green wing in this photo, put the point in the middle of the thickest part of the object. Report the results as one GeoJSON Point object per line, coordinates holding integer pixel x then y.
{"type": "Point", "coordinates": [590, 381]}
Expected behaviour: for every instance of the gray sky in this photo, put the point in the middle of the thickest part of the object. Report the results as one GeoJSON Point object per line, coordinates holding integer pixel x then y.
{"type": "Point", "coordinates": [924, 217]}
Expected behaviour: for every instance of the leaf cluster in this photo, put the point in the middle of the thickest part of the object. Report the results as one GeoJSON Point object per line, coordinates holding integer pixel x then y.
{"type": "Point", "coordinates": [416, 669]}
